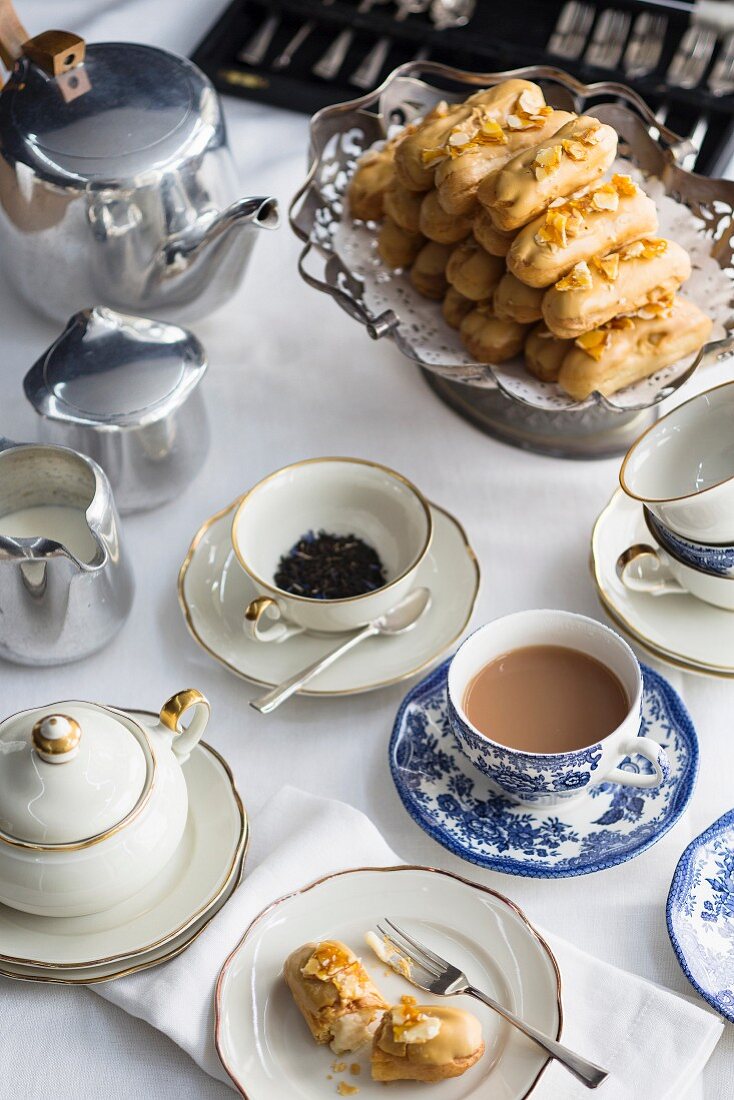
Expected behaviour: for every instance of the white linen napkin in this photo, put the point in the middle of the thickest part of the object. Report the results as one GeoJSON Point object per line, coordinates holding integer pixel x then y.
{"type": "Point", "coordinates": [653, 1042]}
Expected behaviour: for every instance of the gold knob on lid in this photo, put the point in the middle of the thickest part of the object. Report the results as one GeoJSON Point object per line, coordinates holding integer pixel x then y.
{"type": "Point", "coordinates": [56, 738]}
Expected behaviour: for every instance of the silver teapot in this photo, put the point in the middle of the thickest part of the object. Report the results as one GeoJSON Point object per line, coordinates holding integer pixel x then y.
{"type": "Point", "coordinates": [116, 182]}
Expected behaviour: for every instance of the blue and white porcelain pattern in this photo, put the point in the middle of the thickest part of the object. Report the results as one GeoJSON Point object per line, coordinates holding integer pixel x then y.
{"type": "Point", "coordinates": [718, 560]}
{"type": "Point", "coordinates": [700, 914]}
{"type": "Point", "coordinates": [457, 806]}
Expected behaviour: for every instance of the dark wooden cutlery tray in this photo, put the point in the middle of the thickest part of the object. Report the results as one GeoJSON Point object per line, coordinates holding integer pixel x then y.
{"type": "Point", "coordinates": [501, 34]}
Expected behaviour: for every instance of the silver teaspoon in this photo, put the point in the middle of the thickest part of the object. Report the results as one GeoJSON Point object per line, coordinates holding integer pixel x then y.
{"type": "Point", "coordinates": [400, 619]}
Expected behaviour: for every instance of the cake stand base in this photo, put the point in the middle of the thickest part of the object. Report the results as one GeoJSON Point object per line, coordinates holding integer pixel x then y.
{"type": "Point", "coordinates": [594, 433]}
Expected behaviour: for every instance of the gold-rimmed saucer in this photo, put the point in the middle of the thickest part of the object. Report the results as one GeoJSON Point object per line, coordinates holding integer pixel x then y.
{"type": "Point", "coordinates": [679, 629]}
{"type": "Point", "coordinates": [163, 918]}
{"type": "Point", "coordinates": [214, 590]}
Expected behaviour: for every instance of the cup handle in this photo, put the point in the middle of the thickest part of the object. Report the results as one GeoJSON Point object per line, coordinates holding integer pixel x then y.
{"type": "Point", "coordinates": [644, 568]}
{"type": "Point", "coordinates": [173, 710]}
{"type": "Point", "coordinates": [265, 608]}
{"type": "Point", "coordinates": [656, 754]}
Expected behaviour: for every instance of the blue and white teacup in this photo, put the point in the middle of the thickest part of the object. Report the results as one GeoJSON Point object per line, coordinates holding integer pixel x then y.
{"type": "Point", "coordinates": [718, 560]}
{"type": "Point", "coordinates": [548, 779]}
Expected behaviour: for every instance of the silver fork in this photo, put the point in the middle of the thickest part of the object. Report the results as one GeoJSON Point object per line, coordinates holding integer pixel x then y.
{"type": "Point", "coordinates": [439, 977]}
{"type": "Point", "coordinates": [692, 57]}
{"type": "Point", "coordinates": [645, 45]}
{"type": "Point", "coordinates": [571, 29]}
{"type": "Point", "coordinates": [366, 75]}
{"type": "Point", "coordinates": [608, 39]}
{"type": "Point", "coordinates": [721, 79]}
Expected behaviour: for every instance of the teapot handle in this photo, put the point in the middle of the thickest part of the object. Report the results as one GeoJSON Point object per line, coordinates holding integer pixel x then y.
{"type": "Point", "coordinates": [13, 34]}
{"type": "Point", "coordinates": [173, 710]}
{"type": "Point", "coordinates": [55, 52]}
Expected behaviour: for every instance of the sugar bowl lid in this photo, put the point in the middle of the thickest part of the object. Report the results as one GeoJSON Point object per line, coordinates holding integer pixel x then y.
{"type": "Point", "coordinates": [111, 370]}
{"type": "Point", "coordinates": [71, 774]}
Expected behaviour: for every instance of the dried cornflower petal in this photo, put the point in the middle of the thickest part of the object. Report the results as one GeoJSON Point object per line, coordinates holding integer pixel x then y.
{"type": "Point", "coordinates": [578, 278]}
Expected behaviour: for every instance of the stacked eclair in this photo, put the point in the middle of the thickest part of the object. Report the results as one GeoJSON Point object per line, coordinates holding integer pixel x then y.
{"type": "Point", "coordinates": [500, 209]}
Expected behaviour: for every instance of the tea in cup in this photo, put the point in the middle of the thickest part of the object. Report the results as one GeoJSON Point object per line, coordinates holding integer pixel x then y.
{"type": "Point", "coordinates": [682, 468]}
{"type": "Point", "coordinates": [547, 704]}
{"type": "Point", "coordinates": [377, 520]}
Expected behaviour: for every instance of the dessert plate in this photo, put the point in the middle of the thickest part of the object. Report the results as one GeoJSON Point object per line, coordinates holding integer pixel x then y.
{"type": "Point", "coordinates": [120, 968]}
{"type": "Point", "coordinates": [206, 863]}
{"type": "Point", "coordinates": [677, 629]}
{"type": "Point", "coordinates": [261, 1036]}
{"type": "Point", "coordinates": [455, 804]}
{"type": "Point", "coordinates": [700, 914]}
{"type": "Point", "coordinates": [214, 590]}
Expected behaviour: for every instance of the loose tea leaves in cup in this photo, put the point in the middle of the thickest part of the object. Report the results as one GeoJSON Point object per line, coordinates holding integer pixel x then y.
{"type": "Point", "coordinates": [324, 566]}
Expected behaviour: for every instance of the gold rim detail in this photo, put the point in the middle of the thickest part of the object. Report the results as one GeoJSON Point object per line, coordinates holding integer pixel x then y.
{"type": "Point", "coordinates": [380, 870]}
{"type": "Point", "coordinates": [240, 850]}
{"type": "Point", "coordinates": [188, 617]}
{"type": "Point", "coordinates": [312, 462]}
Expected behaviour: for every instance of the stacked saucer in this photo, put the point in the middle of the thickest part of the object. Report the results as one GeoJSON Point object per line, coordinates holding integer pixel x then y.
{"type": "Point", "coordinates": [663, 549]}
{"type": "Point", "coordinates": [88, 940]}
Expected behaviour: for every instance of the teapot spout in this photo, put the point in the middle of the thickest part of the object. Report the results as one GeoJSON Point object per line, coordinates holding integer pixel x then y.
{"type": "Point", "coordinates": [204, 266]}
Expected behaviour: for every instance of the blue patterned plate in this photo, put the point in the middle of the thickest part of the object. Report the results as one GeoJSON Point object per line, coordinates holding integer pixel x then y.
{"type": "Point", "coordinates": [700, 914]}
{"type": "Point", "coordinates": [453, 802]}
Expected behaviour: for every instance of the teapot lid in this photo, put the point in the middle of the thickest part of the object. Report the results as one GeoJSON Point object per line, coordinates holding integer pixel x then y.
{"type": "Point", "coordinates": [125, 106]}
{"type": "Point", "coordinates": [71, 773]}
{"type": "Point", "coordinates": [107, 368]}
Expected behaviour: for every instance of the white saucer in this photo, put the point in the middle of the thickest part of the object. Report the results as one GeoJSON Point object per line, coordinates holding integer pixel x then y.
{"type": "Point", "coordinates": [214, 591]}
{"type": "Point", "coordinates": [678, 629]}
{"type": "Point", "coordinates": [261, 1036]}
{"type": "Point", "coordinates": [203, 870]}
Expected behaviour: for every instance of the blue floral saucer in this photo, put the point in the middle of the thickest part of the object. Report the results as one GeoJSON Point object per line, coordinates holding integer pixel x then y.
{"type": "Point", "coordinates": [454, 803]}
{"type": "Point", "coordinates": [700, 914]}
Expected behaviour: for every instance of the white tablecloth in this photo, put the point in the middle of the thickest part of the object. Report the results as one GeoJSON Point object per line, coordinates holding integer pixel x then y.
{"type": "Point", "coordinates": [291, 376]}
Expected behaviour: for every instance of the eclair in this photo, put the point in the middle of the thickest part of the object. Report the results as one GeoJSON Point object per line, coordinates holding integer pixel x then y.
{"type": "Point", "coordinates": [460, 174]}
{"type": "Point", "coordinates": [428, 273]}
{"type": "Point", "coordinates": [473, 272]}
{"type": "Point", "coordinates": [514, 301]}
{"type": "Point", "coordinates": [373, 175]}
{"type": "Point", "coordinates": [544, 353]}
{"type": "Point", "coordinates": [436, 224]}
{"type": "Point", "coordinates": [425, 1043]}
{"type": "Point", "coordinates": [489, 236]}
{"type": "Point", "coordinates": [447, 125]}
{"type": "Point", "coordinates": [603, 218]}
{"type": "Point", "coordinates": [334, 993]}
{"type": "Point", "coordinates": [403, 206]}
{"type": "Point", "coordinates": [455, 307]}
{"type": "Point", "coordinates": [573, 157]}
{"type": "Point", "coordinates": [626, 350]}
{"type": "Point", "coordinates": [489, 339]}
{"type": "Point", "coordinates": [594, 291]}
{"type": "Point", "coordinates": [397, 247]}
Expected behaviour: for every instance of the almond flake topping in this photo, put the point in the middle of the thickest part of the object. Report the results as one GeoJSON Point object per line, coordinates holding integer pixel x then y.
{"type": "Point", "coordinates": [547, 162]}
{"type": "Point", "coordinates": [659, 305]}
{"type": "Point", "coordinates": [608, 266]}
{"type": "Point", "coordinates": [606, 198]}
{"type": "Point", "coordinates": [530, 101]}
{"type": "Point", "coordinates": [646, 248]}
{"type": "Point", "coordinates": [573, 149]}
{"type": "Point", "coordinates": [429, 157]}
{"type": "Point", "coordinates": [578, 278]}
{"type": "Point", "coordinates": [566, 219]}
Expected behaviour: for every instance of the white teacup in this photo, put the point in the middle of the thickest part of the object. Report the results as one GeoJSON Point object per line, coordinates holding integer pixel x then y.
{"type": "Point", "coordinates": [548, 779]}
{"type": "Point", "coordinates": [658, 572]}
{"type": "Point", "coordinates": [682, 467]}
{"type": "Point", "coordinates": [341, 496]}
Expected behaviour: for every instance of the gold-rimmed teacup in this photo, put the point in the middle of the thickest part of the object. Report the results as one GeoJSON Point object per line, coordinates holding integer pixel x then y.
{"type": "Point", "coordinates": [341, 496]}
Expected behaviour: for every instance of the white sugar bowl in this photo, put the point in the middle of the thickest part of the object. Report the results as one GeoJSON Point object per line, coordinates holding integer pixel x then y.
{"type": "Point", "coordinates": [93, 802]}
